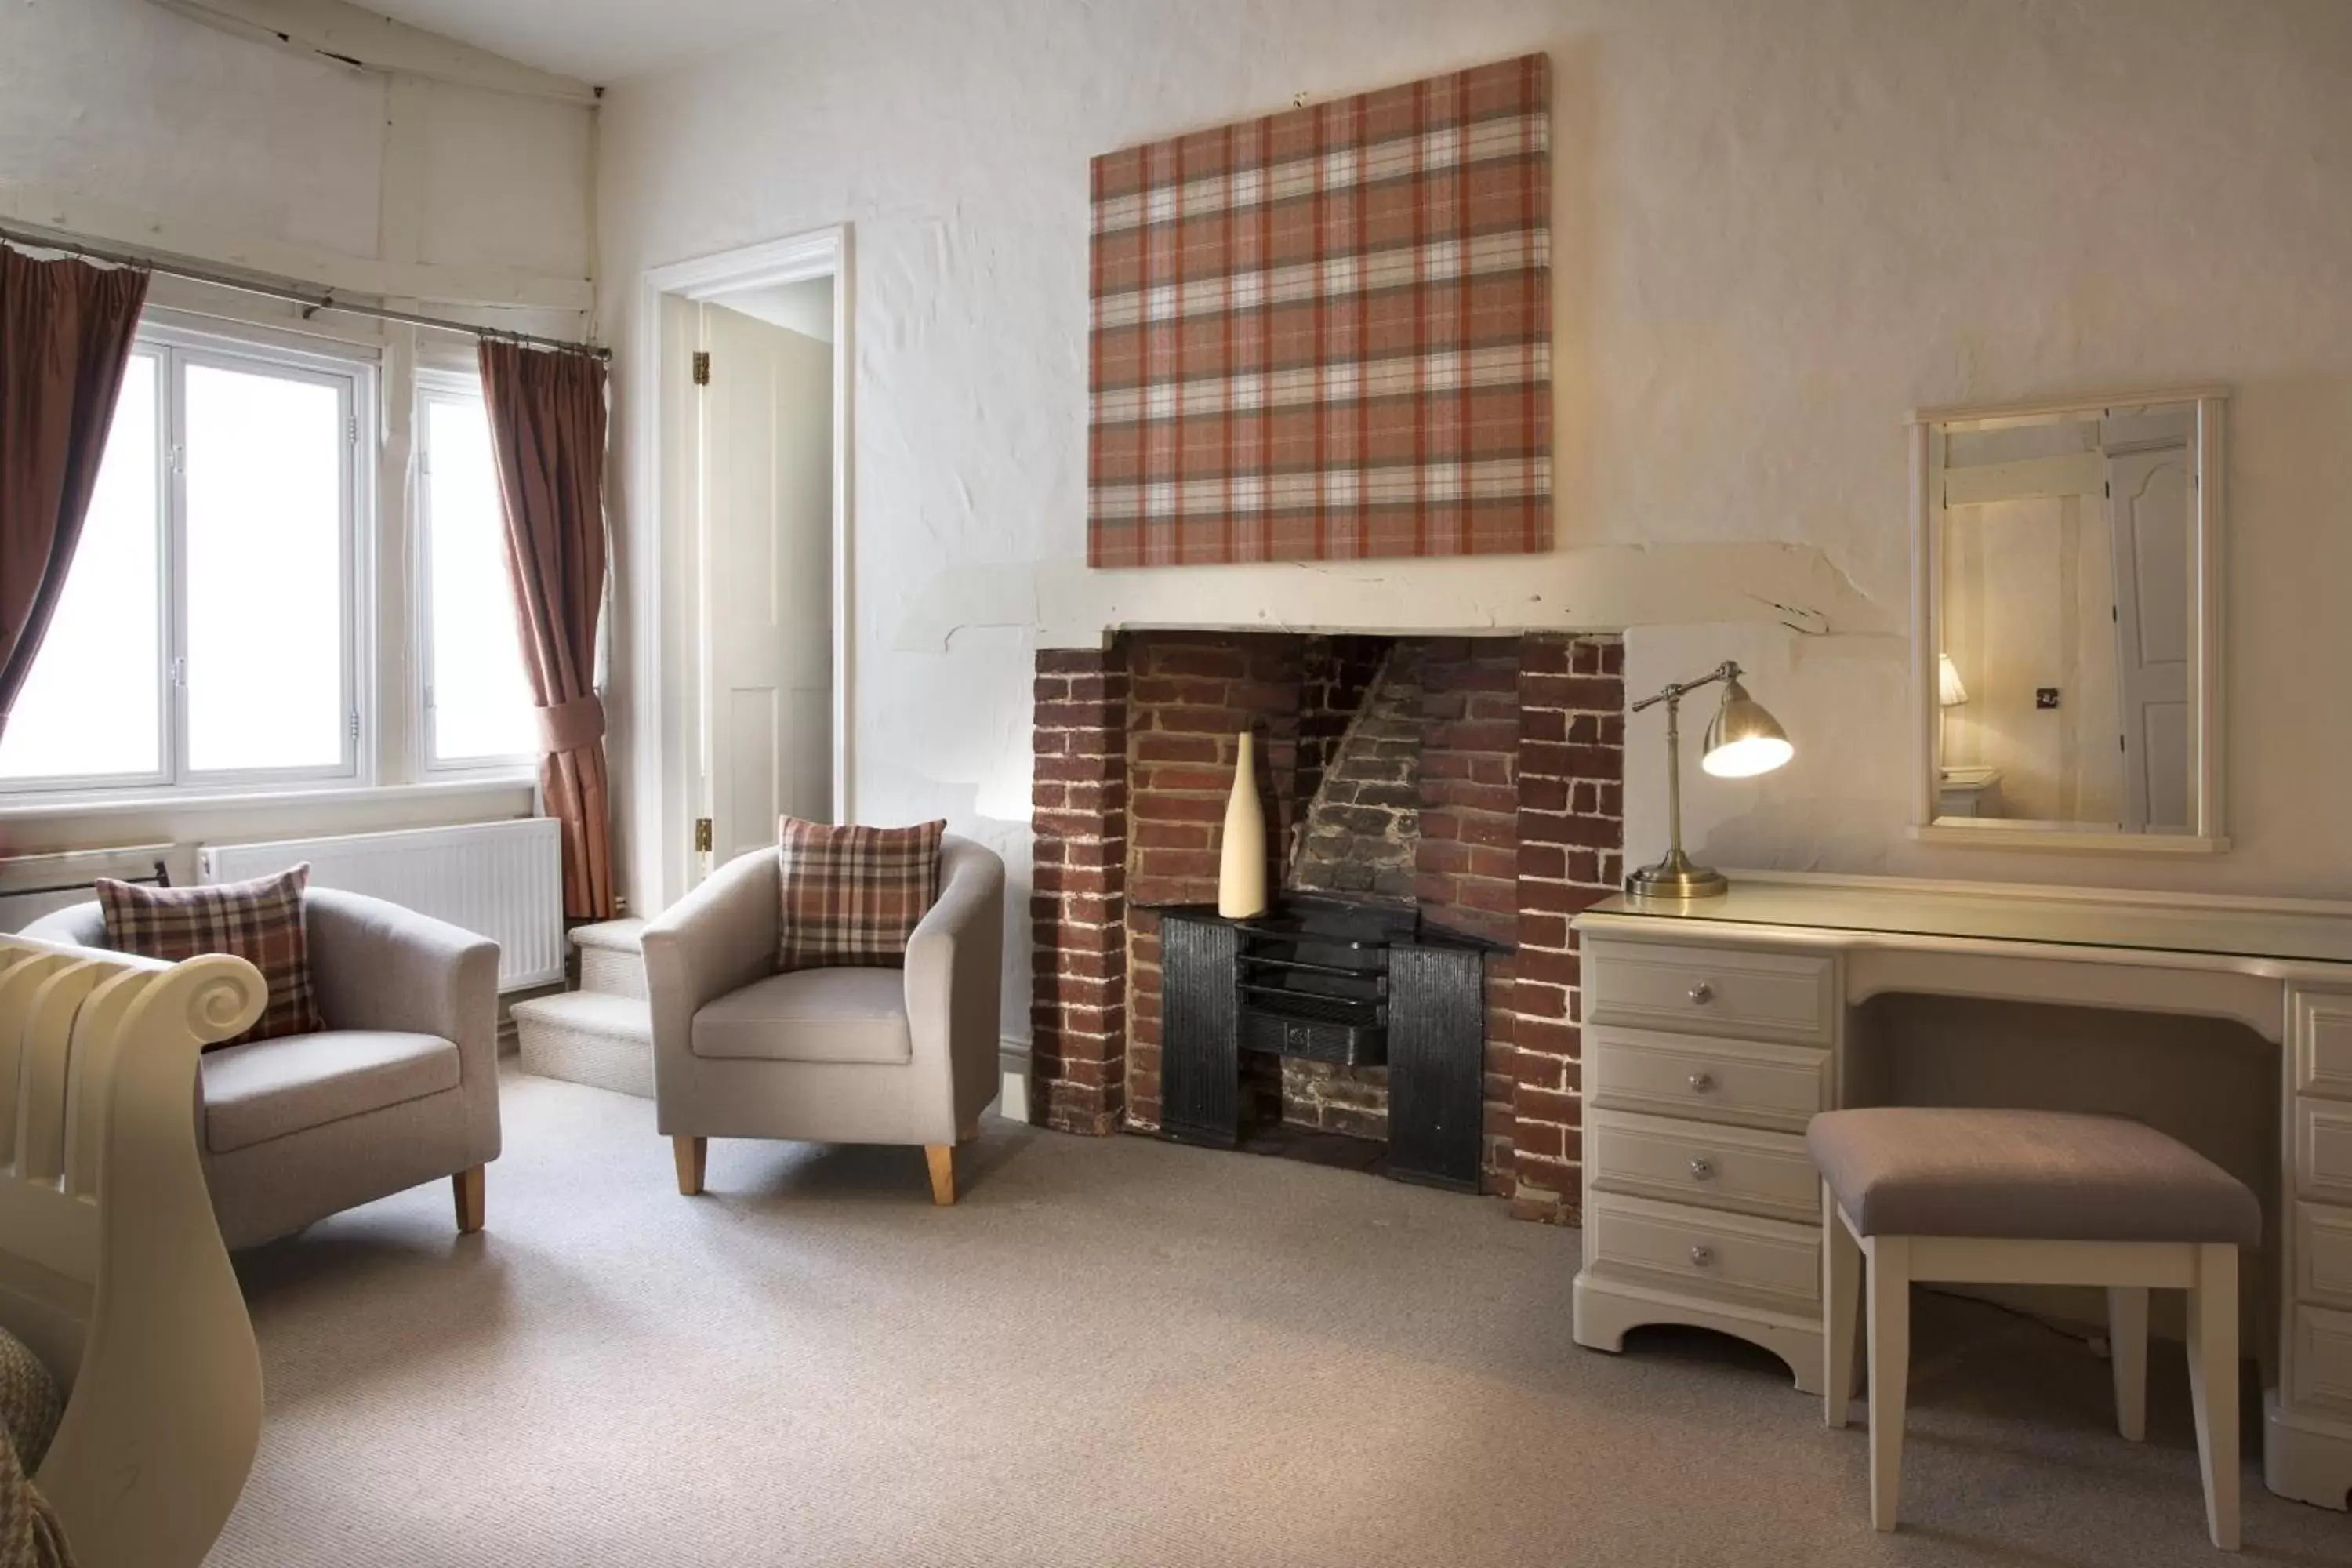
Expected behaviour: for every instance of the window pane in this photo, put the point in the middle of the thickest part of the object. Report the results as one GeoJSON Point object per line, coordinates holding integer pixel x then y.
{"type": "Point", "coordinates": [264, 527]}
{"type": "Point", "coordinates": [481, 696]}
{"type": "Point", "coordinates": [91, 705]}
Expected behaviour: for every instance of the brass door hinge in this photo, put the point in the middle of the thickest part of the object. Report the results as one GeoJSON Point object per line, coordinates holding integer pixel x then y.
{"type": "Point", "coordinates": [702, 367]}
{"type": "Point", "coordinates": [702, 833]}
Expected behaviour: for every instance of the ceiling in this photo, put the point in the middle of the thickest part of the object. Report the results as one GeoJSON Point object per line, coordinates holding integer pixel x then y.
{"type": "Point", "coordinates": [599, 41]}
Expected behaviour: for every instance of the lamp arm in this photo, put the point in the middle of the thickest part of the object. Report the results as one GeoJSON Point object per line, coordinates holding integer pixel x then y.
{"type": "Point", "coordinates": [1727, 670]}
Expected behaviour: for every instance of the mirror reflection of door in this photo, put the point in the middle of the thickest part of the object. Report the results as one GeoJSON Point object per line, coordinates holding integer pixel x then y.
{"type": "Point", "coordinates": [2066, 620]}
{"type": "Point", "coordinates": [2149, 513]}
{"type": "Point", "coordinates": [765, 419]}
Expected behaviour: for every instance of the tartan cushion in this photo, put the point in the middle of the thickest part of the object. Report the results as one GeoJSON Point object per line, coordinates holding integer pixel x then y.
{"type": "Point", "coordinates": [259, 921]}
{"type": "Point", "coordinates": [852, 895]}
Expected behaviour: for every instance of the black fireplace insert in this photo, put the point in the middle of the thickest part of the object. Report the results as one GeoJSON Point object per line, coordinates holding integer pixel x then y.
{"type": "Point", "coordinates": [1355, 982]}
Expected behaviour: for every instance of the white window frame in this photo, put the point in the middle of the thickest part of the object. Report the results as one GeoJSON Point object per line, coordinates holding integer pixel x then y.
{"type": "Point", "coordinates": [451, 387]}
{"type": "Point", "coordinates": [353, 378]}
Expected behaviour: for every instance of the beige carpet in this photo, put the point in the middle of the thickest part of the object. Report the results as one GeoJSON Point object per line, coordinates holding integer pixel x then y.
{"type": "Point", "coordinates": [1113, 1352]}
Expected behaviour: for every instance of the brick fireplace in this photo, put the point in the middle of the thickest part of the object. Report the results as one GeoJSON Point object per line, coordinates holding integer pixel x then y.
{"type": "Point", "coordinates": [1480, 777]}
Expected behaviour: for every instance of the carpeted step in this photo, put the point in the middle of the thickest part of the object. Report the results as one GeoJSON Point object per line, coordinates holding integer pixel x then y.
{"type": "Point", "coordinates": [612, 962]}
{"type": "Point", "coordinates": [589, 1036]}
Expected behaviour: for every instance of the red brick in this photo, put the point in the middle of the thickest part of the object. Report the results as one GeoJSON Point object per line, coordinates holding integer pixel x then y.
{"type": "Point", "coordinates": [1574, 693]}
{"type": "Point", "coordinates": [1166, 748]}
{"type": "Point", "coordinates": [1549, 1040]}
{"type": "Point", "coordinates": [1533, 1104]}
{"type": "Point", "coordinates": [1552, 827]}
{"type": "Point", "coordinates": [1538, 1000]}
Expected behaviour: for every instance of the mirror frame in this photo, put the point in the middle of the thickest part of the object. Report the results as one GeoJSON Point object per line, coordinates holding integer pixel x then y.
{"type": "Point", "coordinates": [2208, 756]}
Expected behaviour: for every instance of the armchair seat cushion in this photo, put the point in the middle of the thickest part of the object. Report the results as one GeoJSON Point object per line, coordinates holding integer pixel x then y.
{"type": "Point", "coordinates": [844, 1014]}
{"type": "Point", "coordinates": [267, 1088]}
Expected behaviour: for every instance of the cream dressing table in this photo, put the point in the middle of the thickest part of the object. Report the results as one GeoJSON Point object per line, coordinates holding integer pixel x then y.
{"type": "Point", "coordinates": [1713, 1030]}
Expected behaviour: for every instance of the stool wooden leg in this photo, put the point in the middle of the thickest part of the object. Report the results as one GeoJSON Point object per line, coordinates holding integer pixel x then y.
{"type": "Point", "coordinates": [1841, 1311]}
{"type": "Point", "coordinates": [2213, 1386]}
{"type": "Point", "coordinates": [1890, 1371]}
{"type": "Point", "coordinates": [2127, 1357]}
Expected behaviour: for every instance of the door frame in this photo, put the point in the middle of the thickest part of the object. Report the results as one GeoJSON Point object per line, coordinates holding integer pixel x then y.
{"type": "Point", "coordinates": [674, 658]}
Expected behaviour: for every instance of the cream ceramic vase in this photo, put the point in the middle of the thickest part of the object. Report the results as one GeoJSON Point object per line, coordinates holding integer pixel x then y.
{"type": "Point", "coordinates": [1241, 875]}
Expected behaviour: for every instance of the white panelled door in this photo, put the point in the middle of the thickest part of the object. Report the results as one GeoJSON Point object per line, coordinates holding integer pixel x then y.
{"type": "Point", "coordinates": [766, 416]}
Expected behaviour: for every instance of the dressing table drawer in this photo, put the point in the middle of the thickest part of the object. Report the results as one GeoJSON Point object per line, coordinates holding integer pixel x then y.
{"type": "Point", "coordinates": [1729, 1256]}
{"type": "Point", "coordinates": [2323, 1254]}
{"type": "Point", "coordinates": [1744, 1082]}
{"type": "Point", "coordinates": [2321, 1043]}
{"type": "Point", "coordinates": [1710, 990]}
{"type": "Point", "coordinates": [2323, 1360]}
{"type": "Point", "coordinates": [2322, 1150]}
{"type": "Point", "coordinates": [1697, 1163]}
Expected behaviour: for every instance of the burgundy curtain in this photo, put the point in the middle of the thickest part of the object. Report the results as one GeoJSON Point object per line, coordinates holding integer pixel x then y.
{"type": "Point", "coordinates": [547, 425]}
{"type": "Point", "coordinates": [65, 330]}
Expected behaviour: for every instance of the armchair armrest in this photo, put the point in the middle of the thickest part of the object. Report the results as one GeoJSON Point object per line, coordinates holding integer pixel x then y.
{"type": "Point", "coordinates": [718, 937]}
{"type": "Point", "coordinates": [379, 967]}
{"type": "Point", "coordinates": [955, 976]}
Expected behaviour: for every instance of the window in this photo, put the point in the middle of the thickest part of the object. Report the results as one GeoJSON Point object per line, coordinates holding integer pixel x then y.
{"type": "Point", "coordinates": [206, 634]}
{"type": "Point", "coordinates": [478, 698]}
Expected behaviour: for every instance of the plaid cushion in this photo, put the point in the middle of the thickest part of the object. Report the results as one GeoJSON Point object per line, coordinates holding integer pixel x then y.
{"type": "Point", "coordinates": [259, 921]}
{"type": "Point", "coordinates": [852, 895]}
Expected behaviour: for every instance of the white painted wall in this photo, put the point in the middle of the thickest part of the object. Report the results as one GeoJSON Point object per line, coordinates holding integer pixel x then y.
{"type": "Point", "coordinates": [124, 107]}
{"type": "Point", "coordinates": [1777, 229]}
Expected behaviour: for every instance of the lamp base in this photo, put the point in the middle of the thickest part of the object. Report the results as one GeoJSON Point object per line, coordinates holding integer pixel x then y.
{"type": "Point", "coordinates": [1676, 877]}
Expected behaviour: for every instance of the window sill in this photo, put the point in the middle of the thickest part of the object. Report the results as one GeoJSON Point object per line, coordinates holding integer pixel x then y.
{"type": "Point", "coordinates": [37, 807]}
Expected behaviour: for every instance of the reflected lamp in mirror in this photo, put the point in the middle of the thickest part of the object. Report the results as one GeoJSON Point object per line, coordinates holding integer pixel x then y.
{"type": "Point", "coordinates": [1742, 740]}
{"type": "Point", "coordinates": [1949, 693]}
{"type": "Point", "coordinates": [2069, 545]}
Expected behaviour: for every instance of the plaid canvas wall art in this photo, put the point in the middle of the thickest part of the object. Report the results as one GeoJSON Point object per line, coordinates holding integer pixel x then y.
{"type": "Point", "coordinates": [1325, 335]}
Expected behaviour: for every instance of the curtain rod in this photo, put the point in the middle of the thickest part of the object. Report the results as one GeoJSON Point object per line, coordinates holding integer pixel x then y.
{"type": "Point", "coordinates": [289, 292]}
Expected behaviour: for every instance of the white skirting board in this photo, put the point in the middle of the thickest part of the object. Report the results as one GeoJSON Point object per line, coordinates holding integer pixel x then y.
{"type": "Point", "coordinates": [503, 879]}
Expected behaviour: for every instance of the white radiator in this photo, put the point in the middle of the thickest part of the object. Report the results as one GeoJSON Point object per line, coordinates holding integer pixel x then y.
{"type": "Point", "coordinates": [502, 879]}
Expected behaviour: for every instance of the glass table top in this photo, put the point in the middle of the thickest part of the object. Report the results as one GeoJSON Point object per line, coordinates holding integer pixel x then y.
{"type": "Point", "coordinates": [2313, 932]}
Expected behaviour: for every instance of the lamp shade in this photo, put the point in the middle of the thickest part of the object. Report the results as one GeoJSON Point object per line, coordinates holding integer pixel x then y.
{"type": "Point", "coordinates": [1742, 738]}
{"type": "Point", "coordinates": [1949, 693]}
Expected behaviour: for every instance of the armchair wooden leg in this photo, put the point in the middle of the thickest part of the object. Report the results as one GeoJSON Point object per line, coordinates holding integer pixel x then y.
{"type": "Point", "coordinates": [943, 1159]}
{"type": "Point", "coordinates": [691, 1153]}
{"type": "Point", "coordinates": [467, 1187]}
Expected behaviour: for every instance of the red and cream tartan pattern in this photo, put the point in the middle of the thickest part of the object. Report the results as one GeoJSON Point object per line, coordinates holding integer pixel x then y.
{"type": "Point", "coordinates": [1327, 333]}
{"type": "Point", "coordinates": [259, 921]}
{"type": "Point", "coordinates": [853, 895]}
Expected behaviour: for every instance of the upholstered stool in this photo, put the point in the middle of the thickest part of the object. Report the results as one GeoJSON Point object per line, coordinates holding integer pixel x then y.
{"type": "Point", "coordinates": [2030, 1197]}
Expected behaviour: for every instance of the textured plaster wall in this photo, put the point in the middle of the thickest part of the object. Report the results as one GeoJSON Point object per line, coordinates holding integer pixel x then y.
{"type": "Point", "coordinates": [1778, 228]}
{"type": "Point", "coordinates": [144, 109]}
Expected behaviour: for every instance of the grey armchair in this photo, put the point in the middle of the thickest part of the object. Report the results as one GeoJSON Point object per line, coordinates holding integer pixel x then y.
{"type": "Point", "coordinates": [832, 1056]}
{"type": "Point", "coordinates": [400, 1087]}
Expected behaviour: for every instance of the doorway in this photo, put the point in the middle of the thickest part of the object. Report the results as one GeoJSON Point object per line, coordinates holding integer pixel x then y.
{"type": "Point", "coordinates": [751, 358]}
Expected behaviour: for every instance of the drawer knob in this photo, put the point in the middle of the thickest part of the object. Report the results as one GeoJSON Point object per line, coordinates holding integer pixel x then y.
{"type": "Point", "coordinates": [1702, 1254]}
{"type": "Point", "coordinates": [1701, 1167]}
{"type": "Point", "coordinates": [1702, 994]}
{"type": "Point", "coordinates": [1701, 1080]}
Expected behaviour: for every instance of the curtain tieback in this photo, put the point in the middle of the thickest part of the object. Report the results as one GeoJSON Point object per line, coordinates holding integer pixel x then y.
{"type": "Point", "coordinates": [568, 726]}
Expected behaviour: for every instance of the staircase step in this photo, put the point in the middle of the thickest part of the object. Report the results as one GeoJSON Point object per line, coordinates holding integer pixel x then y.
{"type": "Point", "coordinates": [589, 1036]}
{"type": "Point", "coordinates": [616, 934]}
{"type": "Point", "coordinates": [612, 962]}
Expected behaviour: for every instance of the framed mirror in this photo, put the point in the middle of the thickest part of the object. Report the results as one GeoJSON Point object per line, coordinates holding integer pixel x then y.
{"type": "Point", "coordinates": [2066, 623]}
